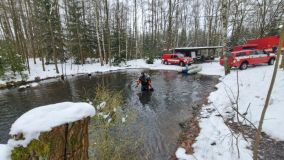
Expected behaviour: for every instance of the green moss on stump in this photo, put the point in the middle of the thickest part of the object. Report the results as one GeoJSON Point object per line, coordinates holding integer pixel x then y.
{"type": "Point", "coordinates": [66, 141]}
{"type": "Point", "coordinates": [36, 148]}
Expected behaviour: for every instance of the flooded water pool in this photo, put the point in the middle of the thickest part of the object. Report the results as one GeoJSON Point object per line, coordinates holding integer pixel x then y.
{"type": "Point", "coordinates": [158, 113]}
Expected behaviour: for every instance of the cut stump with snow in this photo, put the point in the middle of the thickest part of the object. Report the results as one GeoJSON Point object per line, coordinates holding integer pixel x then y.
{"type": "Point", "coordinates": [52, 132]}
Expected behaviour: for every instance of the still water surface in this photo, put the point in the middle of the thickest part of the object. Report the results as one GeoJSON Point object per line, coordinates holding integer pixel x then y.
{"type": "Point", "coordinates": [158, 113]}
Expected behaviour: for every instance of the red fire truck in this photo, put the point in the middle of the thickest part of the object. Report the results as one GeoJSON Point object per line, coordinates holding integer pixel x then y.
{"type": "Point", "coordinates": [176, 58]}
{"type": "Point", "coordinates": [255, 51]}
{"type": "Point", "coordinates": [269, 44]}
{"type": "Point", "coordinates": [242, 59]}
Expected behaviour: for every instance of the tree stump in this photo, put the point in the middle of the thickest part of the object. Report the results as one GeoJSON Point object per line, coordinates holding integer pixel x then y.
{"type": "Point", "coordinates": [66, 142]}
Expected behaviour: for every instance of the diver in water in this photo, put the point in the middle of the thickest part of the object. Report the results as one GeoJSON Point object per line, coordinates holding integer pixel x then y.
{"type": "Point", "coordinates": [145, 82]}
{"type": "Point", "coordinates": [185, 70]}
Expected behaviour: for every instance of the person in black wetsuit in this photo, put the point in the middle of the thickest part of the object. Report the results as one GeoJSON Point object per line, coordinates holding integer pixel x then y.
{"type": "Point", "coordinates": [145, 82]}
{"type": "Point", "coordinates": [185, 70]}
{"type": "Point", "coordinates": [274, 49]}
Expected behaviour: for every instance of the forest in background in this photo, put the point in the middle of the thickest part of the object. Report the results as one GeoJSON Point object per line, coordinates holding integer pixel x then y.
{"type": "Point", "coordinates": [115, 30]}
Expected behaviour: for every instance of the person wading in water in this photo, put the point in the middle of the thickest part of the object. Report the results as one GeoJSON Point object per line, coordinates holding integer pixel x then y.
{"type": "Point", "coordinates": [145, 82]}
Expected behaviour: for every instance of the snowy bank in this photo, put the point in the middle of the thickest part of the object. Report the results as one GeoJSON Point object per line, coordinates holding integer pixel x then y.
{"type": "Point", "coordinates": [212, 68]}
{"type": "Point", "coordinates": [215, 140]}
{"type": "Point", "coordinates": [72, 69]}
{"type": "Point", "coordinates": [5, 152]}
{"type": "Point", "coordinates": [253, 86]}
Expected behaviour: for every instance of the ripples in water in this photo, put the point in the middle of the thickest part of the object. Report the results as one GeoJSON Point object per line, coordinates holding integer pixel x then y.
{"type": "Point", "coordinates": [158, 113]}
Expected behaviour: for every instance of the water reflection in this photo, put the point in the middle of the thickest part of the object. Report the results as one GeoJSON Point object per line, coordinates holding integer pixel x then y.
{"type": "Point", "coordinates": [145, 97]}
{"type": "Point", "coordinates": [158, 113]}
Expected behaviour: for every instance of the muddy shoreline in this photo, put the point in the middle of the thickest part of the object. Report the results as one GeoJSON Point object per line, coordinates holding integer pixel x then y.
{"type": "Point", "coordinates": [190, 128]}
{"type": "Point", "coordinates": [269, 148]}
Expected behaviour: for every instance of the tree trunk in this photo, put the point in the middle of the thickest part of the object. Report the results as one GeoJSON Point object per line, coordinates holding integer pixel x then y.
{"type": "Point", "coordinates": [108, 55]}
{"type": "Point", "coordinates": [170, 17]}
{"type": "Point", "coordinates": [263, 16]}
{"type": "Point", "coordinates": [282, 61]}
{"type": "Point", "coordinates": [42, 58]}
{"type": "Point", "coordinates": [258, 132]}
{"type": "Point", "coordinates": [177, 24]}
{"type": "Point", "coordinates": [23, 39]}
{"type": "Point", "coordinates": [224, 14]}
{"type": "Point", "coordinates": [65, 142]}
{"type": "Point", "coordinates": [53, 43]}
{"type": "Point", "coordinates": [136, 32]}
{"type": "Point", "coordinates": [118, 28]}
{"type": "Point", "coordinates": [103, 44]}
{"type": "Point", "coordinates": [97, 31]}
{"type": "Point", "coordinates": [30, 28]}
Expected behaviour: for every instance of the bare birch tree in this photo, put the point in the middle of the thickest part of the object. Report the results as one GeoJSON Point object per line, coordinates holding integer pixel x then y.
{"type": "Point", "coordinates": [266, 104]}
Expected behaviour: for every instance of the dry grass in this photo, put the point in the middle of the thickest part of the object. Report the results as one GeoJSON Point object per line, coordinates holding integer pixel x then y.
{"type": "Point", "coordinates": [111, 140]}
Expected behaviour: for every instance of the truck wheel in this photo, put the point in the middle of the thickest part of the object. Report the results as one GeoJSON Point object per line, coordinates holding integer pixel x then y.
{"type": "Point", "coordinates": [181, 64]}
{"type": "Point", "coordinates": [271, 61]}
{"type": "Point", "coordinates": [166, 62]}
{"type": "Point", "coordinates": [244, 66]}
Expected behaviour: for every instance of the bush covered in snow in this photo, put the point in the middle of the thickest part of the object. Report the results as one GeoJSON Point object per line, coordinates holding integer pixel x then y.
{"type": "Point", "coordinates": [9, 59]}
{"type": "Point", "coordinates": [150, 59]}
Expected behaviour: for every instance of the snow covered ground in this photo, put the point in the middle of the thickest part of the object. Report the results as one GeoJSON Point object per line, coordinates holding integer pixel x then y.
{"type": "Point", "coordinates": [215, 141]}
{"type": "Point", "coordinates": [71, 69]}
{"type": "Point", "coordinates": [5, 152]}
{"type": "Point", "coordinates": [43, 119]}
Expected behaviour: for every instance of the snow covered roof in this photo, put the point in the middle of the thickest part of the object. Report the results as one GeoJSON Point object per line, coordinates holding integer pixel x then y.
{"type": "Point", "coordinates": [43, 119]}
{"type": "Point", "coordinates": [198, 48]}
